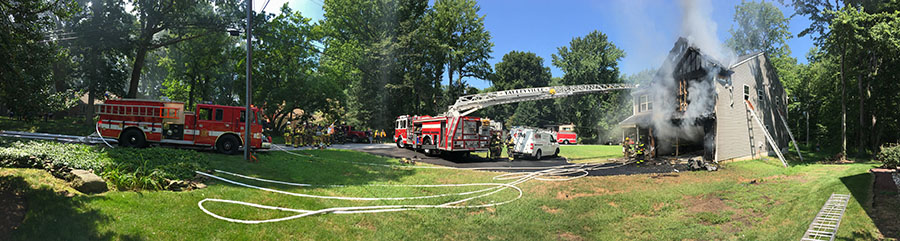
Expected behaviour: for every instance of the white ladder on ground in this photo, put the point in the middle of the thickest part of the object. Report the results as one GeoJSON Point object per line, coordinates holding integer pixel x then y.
{"type": "Point", "coordinates": [827, 221]}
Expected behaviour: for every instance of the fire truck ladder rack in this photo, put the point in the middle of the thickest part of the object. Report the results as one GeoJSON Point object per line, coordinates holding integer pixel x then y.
{"type": "Point", "coordinates": [766, 131]}
{"type": "Point", "coordinates": [137, 110]}
{"type": "Point", "coordinates": [827, 221]}
{"type": "Point", "coordinates": [470, 103]}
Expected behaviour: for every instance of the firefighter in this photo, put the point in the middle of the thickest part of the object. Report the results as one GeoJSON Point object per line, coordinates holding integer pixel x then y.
{"type": "Point", "coordinates": [308, 135]}
{"type": "Point", "coordinates": [319, 138]}
{"type": "Point", "coordinates": [510, 145]}
{"type": "Point", "coordinates": [626, 147]}
{"type": "Point", "coordinates": [287, 134]}
{"type": "Point", "coordinates": [329, 135]}
{"type": "Point", "coordinates": [495, 145]}
{"type": "Point", "coordinates": [297, 135]}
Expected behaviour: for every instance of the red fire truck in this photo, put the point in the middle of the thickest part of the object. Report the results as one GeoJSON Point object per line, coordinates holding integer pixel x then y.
{"type": "Point", "coordinates": [436, 134]}
{"type": "Point", "coordinates": [565, 134]}
{"type": "Point", "coordinates": [454, 131]}
{"type": "Point", "coordinates": [138, 123]}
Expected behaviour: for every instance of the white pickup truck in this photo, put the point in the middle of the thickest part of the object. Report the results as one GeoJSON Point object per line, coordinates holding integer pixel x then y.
{"type": "Point", "coordinates": [533, 142]}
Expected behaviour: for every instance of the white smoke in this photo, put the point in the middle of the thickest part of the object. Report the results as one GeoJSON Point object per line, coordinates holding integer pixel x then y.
{"type": "Point", "coordinates": [699, 30]}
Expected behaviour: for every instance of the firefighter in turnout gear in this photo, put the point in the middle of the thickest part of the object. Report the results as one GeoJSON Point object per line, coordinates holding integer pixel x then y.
{"type": "Point", "coordinates": [510, 145]}
{"type": "Point", "coordinates": [496, 145]}
{"type": "Point", "coordinates": [298, 140]}
{"type": "Point", "coordinates": [287, 134]}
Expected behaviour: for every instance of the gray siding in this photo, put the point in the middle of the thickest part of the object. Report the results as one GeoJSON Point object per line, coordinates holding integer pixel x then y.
{"type": "Point", "coordinates": [737, 134]}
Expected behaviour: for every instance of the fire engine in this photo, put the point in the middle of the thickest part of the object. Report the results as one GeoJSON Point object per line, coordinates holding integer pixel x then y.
{"type": "Point", "coordinates": [138, 123]}
{"type": "Point", "coordinates": [453, 131]}
{"type": "Point", "coordinates": [565, 134]}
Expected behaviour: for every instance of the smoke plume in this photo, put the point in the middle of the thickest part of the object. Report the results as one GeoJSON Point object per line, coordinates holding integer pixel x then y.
{"type": "Point", "coordinates": [699, 30]}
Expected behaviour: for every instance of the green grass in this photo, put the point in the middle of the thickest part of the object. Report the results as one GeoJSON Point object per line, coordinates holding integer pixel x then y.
{"type": "Point", "coordinates": [718, 205]}
{"type": "Point", "coordinates": [589, 153]}
{"type": "Point", "coordinates": [64, 126]}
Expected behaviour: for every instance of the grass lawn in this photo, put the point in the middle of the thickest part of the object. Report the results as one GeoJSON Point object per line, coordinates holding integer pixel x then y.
{"type": "Point", "coordinates": [589, 153]}
{"type": "Point", "coordinates": [687, 205]}
{"type": "Point", "coordinates": [579, 153]}
{"type": "Point", "coordinates": [65, 126]}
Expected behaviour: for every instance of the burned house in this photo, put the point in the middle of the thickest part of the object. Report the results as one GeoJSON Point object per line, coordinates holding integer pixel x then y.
{"type": "Point", "coordinates": [697, 104]}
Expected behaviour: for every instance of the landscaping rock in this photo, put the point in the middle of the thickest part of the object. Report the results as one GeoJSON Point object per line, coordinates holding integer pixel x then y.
{"type": "Point", "coordinates": [87, 182]}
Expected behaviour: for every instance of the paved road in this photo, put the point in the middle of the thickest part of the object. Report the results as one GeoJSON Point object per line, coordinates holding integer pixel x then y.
{"type": "Point", "coordinates": [390, 150]}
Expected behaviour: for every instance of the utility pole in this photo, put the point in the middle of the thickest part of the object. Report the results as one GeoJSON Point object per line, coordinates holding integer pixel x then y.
{"type": "Point", "coordinates": [807, 128]}
{"type": "Point", "coordinates": [248, 111]}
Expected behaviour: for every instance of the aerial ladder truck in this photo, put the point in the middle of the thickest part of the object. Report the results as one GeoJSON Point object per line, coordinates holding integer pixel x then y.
{"type": "Point", "coordinates": [455, 131]}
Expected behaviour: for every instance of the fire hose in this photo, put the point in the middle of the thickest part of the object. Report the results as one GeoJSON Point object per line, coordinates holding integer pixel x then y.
{"type": "Point", "coordinates": [540, 174]}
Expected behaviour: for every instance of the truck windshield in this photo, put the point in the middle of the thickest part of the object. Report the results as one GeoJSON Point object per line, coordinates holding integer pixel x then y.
{"type": "Point", "coordinates": [471, 127]}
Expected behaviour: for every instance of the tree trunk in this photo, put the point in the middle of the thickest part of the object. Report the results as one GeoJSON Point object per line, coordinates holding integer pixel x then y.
{"type": "Point", "coordinates": [862, 115]}
{"type": "Point", "coordinates": [843, 110]}
{"type": "Point", "coordinates": [136, 72]}
{"type": "Point", "coordinates": [191, 92]}
{"type": "Point", "coordinates": [89, 117]}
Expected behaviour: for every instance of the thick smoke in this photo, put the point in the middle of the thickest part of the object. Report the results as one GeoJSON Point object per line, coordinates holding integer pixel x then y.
{"type": "Point", "coordinates": [699, 30]}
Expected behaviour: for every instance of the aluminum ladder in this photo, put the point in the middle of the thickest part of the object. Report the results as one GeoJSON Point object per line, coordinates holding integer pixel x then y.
{"type": "Point", "coordinates": [827, 221]}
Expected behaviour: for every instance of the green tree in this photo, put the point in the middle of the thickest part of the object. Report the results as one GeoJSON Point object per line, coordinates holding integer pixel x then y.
{"type": "Point", "coordinates": [193, 67]}
{"type": "Point", "coordinates": [760, 27]}
{"type": "Point", "coordinates": [286, 78]}
{"type": "Point", "coordinates": [518, 70]}
{"type": "Point", "coordinates": [591, 59]}
{"type": "Point", "coordinates": [100, 49]}
{"type": "Point", "coordinates": [460, 31]}
{"type": "Point", "coordinates": [164, 23]}
{"type": "Point", "coordinates": [26, 78]}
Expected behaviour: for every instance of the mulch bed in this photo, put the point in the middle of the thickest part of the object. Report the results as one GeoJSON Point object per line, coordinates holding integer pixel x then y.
{"type": "Point", "coordinates": [886, 203]}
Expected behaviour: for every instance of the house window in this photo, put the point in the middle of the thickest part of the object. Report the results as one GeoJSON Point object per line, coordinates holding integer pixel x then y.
{"type": "Point", "coordinates": [760, 101]}
{"type": "Point", "coordinates": [645, 104]}
{"type": "Point", "coordinates": [746, 92]}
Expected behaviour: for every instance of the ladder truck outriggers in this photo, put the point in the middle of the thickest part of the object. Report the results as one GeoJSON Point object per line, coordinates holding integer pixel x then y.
{"type": "Point", "coordinates": [454, 131]}
{"type": "Point", "coordinates": [139, 123]}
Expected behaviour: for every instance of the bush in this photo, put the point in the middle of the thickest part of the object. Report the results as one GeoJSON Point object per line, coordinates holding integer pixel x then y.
{"type": "Point", "coordinates": [125, 168]}
{"type": "Point", "coordinates": [158, 163]}
{"type": "Point", "coordinates": [889, 155]}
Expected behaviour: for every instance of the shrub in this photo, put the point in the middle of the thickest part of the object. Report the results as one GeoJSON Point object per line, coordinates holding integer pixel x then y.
{"type": "Point", "coordinates": [889, 155]}
{"type": "Point", "coordinates": [125, 168]}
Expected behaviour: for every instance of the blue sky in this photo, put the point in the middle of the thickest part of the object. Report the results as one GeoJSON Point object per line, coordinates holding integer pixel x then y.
{"type": "Point", "coordinates": [644, 29]}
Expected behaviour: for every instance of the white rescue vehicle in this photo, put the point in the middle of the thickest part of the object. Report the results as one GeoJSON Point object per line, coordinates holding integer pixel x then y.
{"type": "Point", "coordinates": [533, 142]}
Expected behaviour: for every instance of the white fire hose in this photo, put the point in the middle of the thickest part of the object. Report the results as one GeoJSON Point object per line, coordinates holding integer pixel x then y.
{"type": "Point", "coordinates": [493, 188]}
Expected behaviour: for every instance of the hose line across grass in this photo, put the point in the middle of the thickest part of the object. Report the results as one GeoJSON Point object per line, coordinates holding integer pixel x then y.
{"type": "Point", "coordinates": [541, 174]}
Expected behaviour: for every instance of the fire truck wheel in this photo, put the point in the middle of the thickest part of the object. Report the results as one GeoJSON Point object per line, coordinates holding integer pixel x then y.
{"type": "Point", "coordinates": [566, 142]}
{"type": "Point", "coordinates": [354, 139]}
{"type": "Point", "coordinates": [227, 145]}
{"type": "Point", "coordinates": [537, 155]}
{"type": "Point", "coordinates": [400, 143]}
{"type": "Point", "coordinates": [132, 138]}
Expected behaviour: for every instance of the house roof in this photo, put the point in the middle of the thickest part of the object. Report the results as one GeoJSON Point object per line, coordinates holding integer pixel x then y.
{"type": "Point", "coordinates": [640, 119]}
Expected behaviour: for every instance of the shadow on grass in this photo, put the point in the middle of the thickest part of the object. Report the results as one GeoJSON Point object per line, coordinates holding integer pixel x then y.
{"type": "Point", "coordinates": [51, 216]}
{"type": "Point", "coordinates": [860, 186]}
{"type": "Point", "coordinates": [313, 167]}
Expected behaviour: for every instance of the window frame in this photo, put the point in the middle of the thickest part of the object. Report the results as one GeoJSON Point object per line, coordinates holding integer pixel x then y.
{"type": "Point", "coordinates": [220, 114]}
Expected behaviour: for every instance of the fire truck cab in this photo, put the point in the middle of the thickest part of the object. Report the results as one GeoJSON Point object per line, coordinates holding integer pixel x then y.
{"type": "Point", "coordinates": [565, 134]}
{"type": "Point", "coordinates": [138, 123]}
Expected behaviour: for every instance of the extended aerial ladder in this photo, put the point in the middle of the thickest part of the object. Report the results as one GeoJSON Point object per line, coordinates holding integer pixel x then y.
{"type": "Point", "coordinates": [470, 103]}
